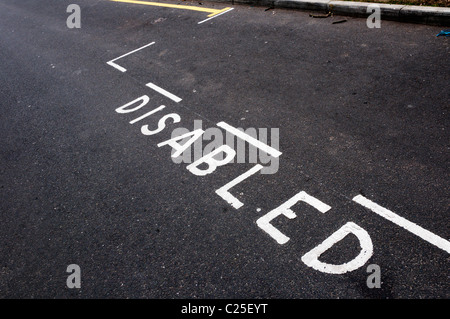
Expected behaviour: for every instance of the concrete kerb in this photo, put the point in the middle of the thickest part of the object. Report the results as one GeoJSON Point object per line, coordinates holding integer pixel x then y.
{"type": "Point", "coordinates": [404, 13]}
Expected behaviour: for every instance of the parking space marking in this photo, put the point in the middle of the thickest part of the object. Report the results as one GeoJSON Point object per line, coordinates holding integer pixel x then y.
{"type": "Point", "coordinates": [404, 223]}
{"type": "Point", "coordinates": [217, 14]}
{"type": "Point", "coordinates": [121, 68]}
{"type": "Point", "coordinates": [212, 12]}
{"type": "Point", "coordinates": [311, 258]}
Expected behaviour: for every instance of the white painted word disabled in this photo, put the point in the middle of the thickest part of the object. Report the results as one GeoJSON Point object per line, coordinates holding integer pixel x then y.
{"type": "Point", "coordinates": [222, 151]}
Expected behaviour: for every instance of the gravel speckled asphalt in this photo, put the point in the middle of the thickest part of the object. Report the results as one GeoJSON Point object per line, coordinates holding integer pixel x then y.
{"type": "Point", "coordinates": [359, 111]}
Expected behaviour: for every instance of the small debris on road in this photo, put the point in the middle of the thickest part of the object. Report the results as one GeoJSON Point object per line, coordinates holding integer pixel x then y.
{"type": "Point", "coordinates": [320, 15]}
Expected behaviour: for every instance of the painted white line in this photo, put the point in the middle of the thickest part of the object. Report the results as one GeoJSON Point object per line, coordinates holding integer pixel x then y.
{"type": "Point", "coordinates": [120, 68]}
{"type": "Point", "coordinates": [216, 15]}
{"type": "Point", "coordinates": [171, 96]}
{"type": "Point", "coordinates": [251, 140]}
{"type": "Point", "coordinates": [404, 223]}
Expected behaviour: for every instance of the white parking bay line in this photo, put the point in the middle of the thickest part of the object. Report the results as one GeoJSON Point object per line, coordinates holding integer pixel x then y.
{"type": "Point", "coordinates": [216, 15]}
{"type": "Point", "coordinates": [120, 68]}
{"type": "Point", "coordinates": [171, 96]}
{"type": "Point", "coordinates": [404, 223]}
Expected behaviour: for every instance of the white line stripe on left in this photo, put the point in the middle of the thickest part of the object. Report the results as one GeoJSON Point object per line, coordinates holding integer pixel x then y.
{"type": "Point", "coordinates": [120, 68]}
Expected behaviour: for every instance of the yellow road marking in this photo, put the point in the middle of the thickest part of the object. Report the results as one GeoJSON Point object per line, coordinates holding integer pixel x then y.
{"type": "Point", "coordinates": [212, 12]}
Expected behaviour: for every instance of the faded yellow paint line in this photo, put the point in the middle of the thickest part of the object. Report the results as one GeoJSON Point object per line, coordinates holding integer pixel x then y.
{"type": "Point", "coordinates": [212, 12]}
{"type": "Point", "coordinates": [219, 11]}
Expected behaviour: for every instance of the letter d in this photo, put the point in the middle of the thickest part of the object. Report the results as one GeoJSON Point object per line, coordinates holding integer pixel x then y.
{"type": "Point", "coordinates": [311, 257]}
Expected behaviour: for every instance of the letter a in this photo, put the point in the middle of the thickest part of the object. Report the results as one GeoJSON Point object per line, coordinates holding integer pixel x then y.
{"type": "Point", "coordinates": [374, 20]}
{"type": "Point", "coordinates": [374, 279]}
{"type": "Point", "coordinates": [179, 149]}
{"type": "Point", "coordinates": [74, 20]}
{"type": "Point", "coordinates": [74, 280]}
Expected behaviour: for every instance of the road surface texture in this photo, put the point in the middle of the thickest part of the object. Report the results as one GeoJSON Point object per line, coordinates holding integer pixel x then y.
{"type": "Point", "coordinates": [355, 206]}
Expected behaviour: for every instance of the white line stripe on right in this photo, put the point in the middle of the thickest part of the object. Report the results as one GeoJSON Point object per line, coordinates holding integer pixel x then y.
{"type": "Point", "coordinates": [404, 223]}
{"type": "Point", "coordinates": [171, 96]}
{"type": "Point", "coordinates": [216, 16]}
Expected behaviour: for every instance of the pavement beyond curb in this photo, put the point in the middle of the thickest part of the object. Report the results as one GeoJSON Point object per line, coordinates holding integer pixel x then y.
{"type": "Point", "coordinates": [397, 12]}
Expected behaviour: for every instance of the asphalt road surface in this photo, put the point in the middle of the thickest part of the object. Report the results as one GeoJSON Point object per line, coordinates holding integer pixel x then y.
{"type": "Point", "coordinates": [352, 201]}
